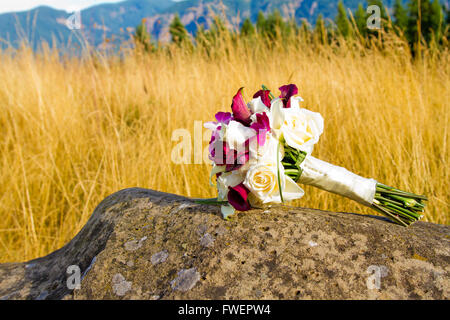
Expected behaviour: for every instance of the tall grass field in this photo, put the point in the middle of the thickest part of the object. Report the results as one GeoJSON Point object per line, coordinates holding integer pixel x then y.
{"type": "Point", "coordinates": [77, 129]}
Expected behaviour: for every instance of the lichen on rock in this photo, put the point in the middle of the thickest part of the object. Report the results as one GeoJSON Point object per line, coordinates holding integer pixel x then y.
{"type": "Point", "coordinates": [185, 280]}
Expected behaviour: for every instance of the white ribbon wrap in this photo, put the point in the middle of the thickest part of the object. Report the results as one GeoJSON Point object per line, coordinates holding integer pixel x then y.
{"type": "Point", "coordinates": [338, 180]}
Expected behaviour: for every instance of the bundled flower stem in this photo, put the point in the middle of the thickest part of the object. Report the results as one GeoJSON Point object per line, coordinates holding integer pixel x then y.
{"type": "Point", "coordinates": [400, 206]}
{"type": "Point", "coordinates": [262, 151]}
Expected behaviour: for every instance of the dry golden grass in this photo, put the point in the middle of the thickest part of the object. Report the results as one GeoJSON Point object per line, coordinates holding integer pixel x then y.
{"type": "Point", "coordinates": [76, 130]}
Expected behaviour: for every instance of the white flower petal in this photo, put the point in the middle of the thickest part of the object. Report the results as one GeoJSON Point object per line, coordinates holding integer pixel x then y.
{"type": "Point", "coordinates": [216, 169]}
{"type": "Point", "coordinates": [231, 179]}
{"type": "Point", "coordinates": [222, 191]}
{"type": "Point", "coordinates": [295, 102]}
{"type": "Point", "coordinates": [211, 125]}
{"type": "Point", "coordinates": [236, 134]}
{"type": "Point", "coordinates": [276, 117]}
{"type": "Point", "coordinates": [227, 210]}
{"type": "Point", "coordinates": [257, 106]}
{"type": "Point", "coordinates": [291, 190]}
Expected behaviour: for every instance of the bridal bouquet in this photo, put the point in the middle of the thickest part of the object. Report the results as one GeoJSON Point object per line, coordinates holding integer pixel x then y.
{"type": "Point", "coordinates": [262, 150]}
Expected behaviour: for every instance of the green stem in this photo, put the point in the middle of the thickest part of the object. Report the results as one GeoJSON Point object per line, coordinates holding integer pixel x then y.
{"type": "Point", "coordinates": [382, 199]}
{"type": "Point", "coordinates": [278, 171]}
{"type": "Point", "coordinates": [404, 206]}
{"type": "Point", "coordinates": [270, 93]}
{"type": "Point", "coordinates": [400, 193]}
{"type": "Point", "coordinates": [405, 211]}
{"type": "Point", "coordinates": [213, 201]}
{"type": "Point", "coordinates": [390, 215]}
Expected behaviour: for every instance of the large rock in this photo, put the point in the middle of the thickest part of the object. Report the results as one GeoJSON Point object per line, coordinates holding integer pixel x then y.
{"type": "Point", "coordinates": [143, 244]}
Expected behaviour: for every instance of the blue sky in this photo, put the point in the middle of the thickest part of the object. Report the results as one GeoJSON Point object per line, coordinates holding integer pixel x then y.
{"type": "Point", "coordinates": [68, 5]}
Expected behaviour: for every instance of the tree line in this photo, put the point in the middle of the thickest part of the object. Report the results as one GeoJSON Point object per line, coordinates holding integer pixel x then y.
{"type": "Point", "coordinates": [419, 22]}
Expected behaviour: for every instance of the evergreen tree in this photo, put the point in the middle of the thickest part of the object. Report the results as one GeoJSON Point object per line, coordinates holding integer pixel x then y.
{"type": "Point", "coordinates": [275, 26]}
{"type": "Point", "coordinates": [446, 25]}
{"type": "Point", "coordinates": [201, 38]}
{"type": "Point", "coordinates": [436, 20]}
{"type": "Point", "coordinates": [413, 18]}
{"type": "Point", "coordinates": [217, 31]}
{"type": "Point", "coordinates": [320, 31]}
{"type": "Point", "coordinates": [384, 18]}
{"type": "Point", "coordinates": [247, 28]}
{"type": "Point", "coordinates": [361, 20]}
{"type": "Point", "coordinates": [429, 20]}
{"type": "Point", "coordinates": [383, 12]}
{"type": "Point", "coordinates": [218, 28]}
{"type": "Point", "coordinates": [342, 22]}
{"type": "Point", "coordinates": [400, 15]}
{"type": "Point", "coordinates": [305, 30]}
{"type": "Point", "coordinates": [291, 27]}
{"type": "Point", "coordinates": [178, 31]}
{"type": "Point", "coordinates": [447, 20]}
{"type": "Point", "coordinates": [142, 37]}
{"type": "Point", "coordinates": [261, 23]}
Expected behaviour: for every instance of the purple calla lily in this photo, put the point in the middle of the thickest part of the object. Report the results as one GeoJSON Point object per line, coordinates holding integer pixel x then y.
{"type": "Point", "coordinates": [265, 98]}
{"type": "Point", "coordinates": [240, 110]}
{"type": "Point", "coordinates": [287, 92]}
{"type": "Point", "coordinates": [213, 142]}
{"type": "Point", "coordinates": [211, 147]}
{"type": "Point", "coordinates": [223, 117]}
{"type": "Point", "coordinates": [238, 197]}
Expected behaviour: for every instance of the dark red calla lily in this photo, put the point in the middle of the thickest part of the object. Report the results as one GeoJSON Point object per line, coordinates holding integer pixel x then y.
{"type": "Point", "coordinates": [261, 126]}
{"type": "Point", "coordinates": [265, 98]}
{"type": "Point", "coordinates": [287, 92]}
{"type": "Point", "coordinates": [238, 197]}
{"type": "Point", "coordinates": [240, 110]}
{"type": "Point", "coordinates": [236, 159]}
{"type": "Point", "coordinates": [240, 159]}
{"type": "Point", "coordinates": [222, 154]}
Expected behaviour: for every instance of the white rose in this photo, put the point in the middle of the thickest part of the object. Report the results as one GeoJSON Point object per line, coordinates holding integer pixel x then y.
{"type": "Point", "coordinates": [300, 127]}
{"type": "Point", "coordinates": [262, 181]}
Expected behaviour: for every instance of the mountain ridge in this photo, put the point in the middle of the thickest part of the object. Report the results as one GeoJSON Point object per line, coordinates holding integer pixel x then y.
{"type": "Point", "coordinates": [116, 21]}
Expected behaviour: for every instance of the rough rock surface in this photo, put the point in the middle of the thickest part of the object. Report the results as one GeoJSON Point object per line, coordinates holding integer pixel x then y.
{"type": "Point", "coordinates": [143, 244]}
